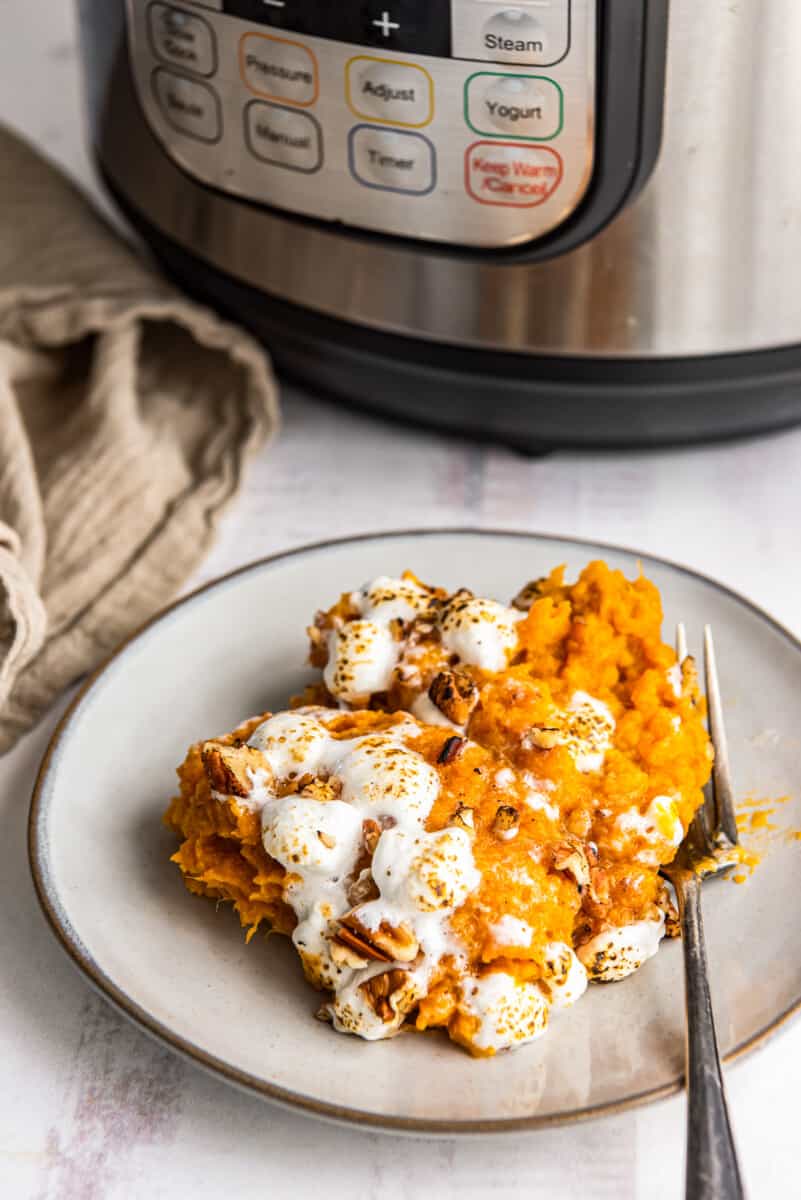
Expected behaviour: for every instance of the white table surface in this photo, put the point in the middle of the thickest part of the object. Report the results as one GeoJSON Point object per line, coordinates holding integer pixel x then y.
{"type": "Point", "coordinates": [90, 1108]}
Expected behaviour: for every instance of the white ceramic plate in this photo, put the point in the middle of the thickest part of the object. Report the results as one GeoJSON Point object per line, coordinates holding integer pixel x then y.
{"type": "Point", "coordinates": [181, 969]}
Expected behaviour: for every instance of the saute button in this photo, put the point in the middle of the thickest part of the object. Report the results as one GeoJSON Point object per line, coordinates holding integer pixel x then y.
{"type": "Point", "coordinates": [392, 92]}
{"type": "Point", "coordinates": [510, 174]}
{"type": "Point", "coordinates": [283, 137]}
{"type": "Point", "coordinates": [278, 68]}
{"type": "Point", "coordinates": [392, 161]}
{"type": "Point", "coordinates": [526, 106]}
{"type": "Point", "coordinates": [182, 38]}
{"type": "Point", "coordinates": [190, 106]}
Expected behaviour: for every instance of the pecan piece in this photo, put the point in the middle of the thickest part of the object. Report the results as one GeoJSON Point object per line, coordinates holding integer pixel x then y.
{"type": "Point", "coordinates": [362, 888]}
{"type": "Point", "coordinates": [507, 823]}
{"type": "Point", "coordinates": [545, 737]}
{"type": "Point", "coordinates": [371, 832]}
{"type": "Point", "coordinates": [388, 943]}
{"type": "Point", "coordinates": [322, 789]}
{"type": "Point", "coordinates": [455, 695]}
{"type": "Point", "coordinates": [228, 768]}
{"type": "Point", "coordinates": [451, 750]}
{"type": "Point", "coordinates": [380, 991]}
{"type": "Point", "coordinates": [464, 818]}
{"type": "Point", "coordinates": [529, 593]}
{"type": "Point", "coordinates": [569, 856]}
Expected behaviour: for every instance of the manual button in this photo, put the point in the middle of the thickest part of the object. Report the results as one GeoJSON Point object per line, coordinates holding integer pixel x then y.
{"type": "Point", "coordinates": [283, 137]}
{"type": "Point", "coordinates": [182, 38]}
{"type": "Point", "coordinates": [190, 107]}
{"type": "Point", "coordinates": [392, 161]}
{"type": "Point", "coordinates": [394, 93]}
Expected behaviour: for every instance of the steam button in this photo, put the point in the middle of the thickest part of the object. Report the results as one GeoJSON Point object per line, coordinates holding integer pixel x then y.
{"type": "Point", "coordinates": [531, 33]}
{"type": "Point", "coordinates": [182, 38]}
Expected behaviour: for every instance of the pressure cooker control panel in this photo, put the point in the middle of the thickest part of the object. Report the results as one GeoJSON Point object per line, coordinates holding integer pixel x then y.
{"type": "Point", "coordinates": [467, 122]}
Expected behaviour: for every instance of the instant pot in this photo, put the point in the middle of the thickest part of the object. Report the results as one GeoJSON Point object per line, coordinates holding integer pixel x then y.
{"type": "Point", "coordinates": [555, 221]}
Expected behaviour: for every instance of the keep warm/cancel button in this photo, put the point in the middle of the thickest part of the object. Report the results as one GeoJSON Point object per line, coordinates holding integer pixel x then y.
{"type": "Point", "coordinates": [511, 174]}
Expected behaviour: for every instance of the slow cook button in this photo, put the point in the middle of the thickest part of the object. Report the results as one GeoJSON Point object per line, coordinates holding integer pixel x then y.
{"type": "Point", "coordinates": [189, 106]}
{"type": "Point", "coordinates": [279, 69]}
{"type": "Point", "coordinates": [283, 137]}
{"type": "Point", "coordinates": [524, 106]}
{"type": "Point", "coordinates": [392, 161]}
{"type": "Point", "coordinates": [394, 93]}
{"type": "Point", "coordinates": [182, 38]}
{"type": "Point", "coordinates": [510, 174]}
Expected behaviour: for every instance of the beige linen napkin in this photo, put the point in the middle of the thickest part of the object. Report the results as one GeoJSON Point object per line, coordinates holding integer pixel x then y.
{"type": "Point", "coordinates": [126, 416]}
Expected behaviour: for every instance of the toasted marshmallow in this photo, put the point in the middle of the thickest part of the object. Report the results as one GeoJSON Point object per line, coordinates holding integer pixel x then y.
{"type": "Point", "coordinates": [310, 835]}
{"type": "Point", "coordinates": [508, 1013]}
{"type": "Point", "coordinates": [294, 743]}
{"type": "Point", "coordinates": [382, 779]}
{"type": "Point", "coordinates": [387, 599]}
{"type": "Point", "coordinates": [616, 953]}
{"type": "Point", "coordinates": [430, 871]}
{"type": "Point", "coordinates": [362, 656]}
{"type": "Point", "coordinates": [481, 633]}
{"type": "Point", "coordinates": [564, 977]}
{"type": "Point", "coordinates": [659, 826]}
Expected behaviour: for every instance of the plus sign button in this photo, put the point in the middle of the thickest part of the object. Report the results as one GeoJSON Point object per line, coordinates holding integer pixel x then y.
{"type": "Point", "coordinates": [407, 25]}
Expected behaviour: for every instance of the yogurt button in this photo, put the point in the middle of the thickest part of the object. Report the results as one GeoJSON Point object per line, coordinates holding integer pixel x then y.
{"type": "Point", "coordinates": [392, 92]}
{"type": "Point", "coordinates": [528, 107]}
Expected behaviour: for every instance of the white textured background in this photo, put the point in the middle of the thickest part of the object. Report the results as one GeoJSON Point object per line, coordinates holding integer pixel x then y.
{"type": "Point", "coordinates": [89, 1108]}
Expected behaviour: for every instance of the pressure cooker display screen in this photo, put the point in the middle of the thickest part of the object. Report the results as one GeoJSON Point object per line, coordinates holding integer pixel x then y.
{"type": "Point", "coordinates": [467, 122]}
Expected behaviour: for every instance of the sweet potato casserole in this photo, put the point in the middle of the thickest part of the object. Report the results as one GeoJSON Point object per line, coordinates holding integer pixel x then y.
{"type": "Point", "coordinates": [462, 823]}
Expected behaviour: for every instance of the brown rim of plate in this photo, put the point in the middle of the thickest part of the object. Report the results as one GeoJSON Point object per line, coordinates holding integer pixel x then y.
{"type": "Point", "coordinates": [71, 943]}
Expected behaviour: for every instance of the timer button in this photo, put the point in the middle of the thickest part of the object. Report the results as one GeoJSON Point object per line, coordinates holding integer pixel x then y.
{"type": "Point", "coordinates": [278, 69]}
{"type": "Point", "coordinates": [182, 38]}
{"type": "Point", "coordinates": [392, 161]}
{"type": "Point", "coordinates": [393, 93]}
{"type": "Point", "coordinates": [529, 107]}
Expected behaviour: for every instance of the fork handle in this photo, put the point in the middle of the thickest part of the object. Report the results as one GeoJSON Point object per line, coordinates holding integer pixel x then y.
{"type": "Point", "coordinates": [712, 1171]}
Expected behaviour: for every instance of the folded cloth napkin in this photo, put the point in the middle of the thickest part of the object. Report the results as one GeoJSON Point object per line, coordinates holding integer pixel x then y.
{"type": "Point", "coordinates": [126, 416]}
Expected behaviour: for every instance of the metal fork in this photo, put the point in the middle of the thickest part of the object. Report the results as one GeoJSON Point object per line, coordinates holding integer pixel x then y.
{"type": "Point", "coordinates": [709, 848]}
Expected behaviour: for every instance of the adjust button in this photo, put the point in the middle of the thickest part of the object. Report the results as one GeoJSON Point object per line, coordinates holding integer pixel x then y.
{"type": "Point", "coordinates": [283, 137]}
{"type": "Point", "coordinates": [279, 69]}
{"type": "Point", "coordinates": [509, 174]}
{"type": "Point", "coordinates": [190, 106]}
{"type": "Point", "coordinates": [182, 38]}
{"type": "Point", "coordinates": [529, 107]}
{"type": "Point", "coordinates": [392, 161]}
{"type": "Point", "coordinates": [394, 93]}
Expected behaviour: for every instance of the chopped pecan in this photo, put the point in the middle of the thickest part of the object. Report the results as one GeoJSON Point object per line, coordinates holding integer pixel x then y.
{"type": "Point", "coordinates": [506, 823]}
{"type": "Point", "coordinates": [362, 888]}
{"type": "Point", "coordinates": [455, 695]}
{"type": "Point", "coordinates": [388, 943]}
{"type": "Point", "coordinates": [346, 956]}
{"type": "Point", "coordinates": [322, 789]}
{"type": "Point", "coordinates": [545, 737]}
{"type": "Point", "coordinates": [570, 856]}
{"type": "Point", "coordinates": [689, 679]}
{"type": "Point", "coordinates": [464, 818]}
{"type": "Point", "coordinates": [228, 768]}
{"type": "Point", "coordinates": [451, 750]}
{"type": "Point", "coordinates": [328, 839]}
{"type": "Point", "coordinates": [371, 832]}
{"type": "Point", "coordinates": [599, 885]}
{"type": "Point", "coordinates": [318, 640]}
{"type": "Point", "coordinates": [528, 594]}
{"type": "Point", "coordinates": [380, 990]}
